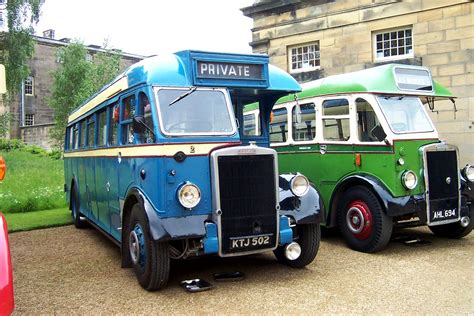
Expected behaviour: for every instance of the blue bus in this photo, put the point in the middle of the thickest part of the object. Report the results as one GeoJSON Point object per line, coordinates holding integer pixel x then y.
{"type": "Point", "coordinates": [160, 162]}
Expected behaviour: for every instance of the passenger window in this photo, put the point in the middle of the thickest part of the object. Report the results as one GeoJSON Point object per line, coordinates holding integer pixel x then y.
{"type": "Point", "coordinates": [251, 120]}
{"type": "Point", "coordinates": [128, 111]}
{"type": "Point", "coordinates": [114, 119]}
{"type": "Point", "coordinates": [336, 120]}
{"type": "Point", "coordinates": [90, 132]}
{"type": "Point", "coordinates": [102, 117]}
{"type": "Point", "coordinates": [145, 109]}
{"type": "Point", "coordinates": [76, 136]}
{"type": "Point", "coordinates": [70, 138]}
{"type": "Point", "coordinates": [306, 128]}
{"type": "Point", "coordinates": [366, 120]}
{"type": "Point", "coordinates": [279, 126]}
{"type": "Point", "coordinates": [82, 142]}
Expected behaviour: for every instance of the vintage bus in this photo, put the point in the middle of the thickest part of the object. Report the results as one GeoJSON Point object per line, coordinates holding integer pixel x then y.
{"type": "Point", "coordinates": [366, 142]}
{"type": "Point", "coordinates": [158, 160]}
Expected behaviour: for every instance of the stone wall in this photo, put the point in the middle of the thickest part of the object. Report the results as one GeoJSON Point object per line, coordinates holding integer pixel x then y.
{"type": "Point", "coordinates": [443, 39]}
{"type": "Point", "coordinates": [37, 135]}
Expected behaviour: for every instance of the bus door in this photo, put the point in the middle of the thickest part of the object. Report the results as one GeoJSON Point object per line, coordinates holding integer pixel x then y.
{"type": "Point", "coordinates": [336, 144]}
{"type": "Point", "coordinates": [102, 173]}
{"type": "Point", "coordinates": [89, 165]}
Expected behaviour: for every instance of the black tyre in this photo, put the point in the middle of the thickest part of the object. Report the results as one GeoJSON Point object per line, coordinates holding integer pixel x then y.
{"type": "Point", "coordinates": [151, 261]}
{"type": "Point", "coordinates": [76, 210]}
{"type": "Point", "coordinates": [362, 221]}
{"type": "Point", "coordinates": [308, 237]}
{"type": "Point", "coordinates": [453, 230]}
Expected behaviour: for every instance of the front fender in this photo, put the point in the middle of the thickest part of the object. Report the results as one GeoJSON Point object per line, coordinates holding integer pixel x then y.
{"type": "Point", "coordinates": [6, 276]}
{"type": "Point", "coordinates": [170, 228]}
{"type": "Point", "coordinates": [306, 209]}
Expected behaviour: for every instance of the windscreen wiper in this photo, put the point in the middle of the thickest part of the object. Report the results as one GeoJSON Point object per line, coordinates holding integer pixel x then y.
{"type": "Point", "coordinates": [184, 95]}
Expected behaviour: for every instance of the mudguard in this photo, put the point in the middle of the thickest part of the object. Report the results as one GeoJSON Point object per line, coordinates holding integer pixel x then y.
{"type": "Point", "coordinates": [6, 276]}
{"type": "Point", "coordinates": [304, 210]}
{"type": "Point", "coordinates": [170, 228]}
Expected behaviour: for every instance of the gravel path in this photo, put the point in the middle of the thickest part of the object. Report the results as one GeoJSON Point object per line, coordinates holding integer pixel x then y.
{"type": "Point", "coordinates": [65, 270]}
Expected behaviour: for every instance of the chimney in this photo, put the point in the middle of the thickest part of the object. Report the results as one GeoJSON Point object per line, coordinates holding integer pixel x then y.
{"type": "Point", "coordinates": [49, 34]}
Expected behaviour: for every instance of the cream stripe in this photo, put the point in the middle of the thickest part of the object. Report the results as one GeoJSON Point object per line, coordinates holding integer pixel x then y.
{"type": "Point", "coordinates": [116, 87]}
{"type": "Point", "coordinates": [145, 151]}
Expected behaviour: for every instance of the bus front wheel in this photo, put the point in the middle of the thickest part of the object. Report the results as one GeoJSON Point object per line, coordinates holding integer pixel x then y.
{"type": "Point", "coordinates": [362, 221]}
{"type": "Point", "coordinates": [150, 259]}
{"type": "Point", "coordinates": [308, 237]}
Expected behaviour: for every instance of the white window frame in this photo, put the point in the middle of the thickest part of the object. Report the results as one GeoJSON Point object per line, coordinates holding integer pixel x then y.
{"type": "Point", "coordinates": [29, 120]}
{"type": "Point", "coordinates": [388, 31]}
{"type": "Point", "coordinates": [29, 85]}
{"type": "Point", "coordinates": [302, 46]}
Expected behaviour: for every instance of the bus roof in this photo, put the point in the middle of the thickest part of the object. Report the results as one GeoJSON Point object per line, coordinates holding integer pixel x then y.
{"type": "Point", "coordinates": [386, 79]}
{"type": "Point", "coordinates": [196, 68]}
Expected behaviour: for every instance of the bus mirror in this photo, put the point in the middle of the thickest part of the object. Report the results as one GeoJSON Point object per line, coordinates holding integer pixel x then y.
{"type": "Point", "coordinates": [378, 133]}
{"type": "Point", "coordinates": [139, 125]}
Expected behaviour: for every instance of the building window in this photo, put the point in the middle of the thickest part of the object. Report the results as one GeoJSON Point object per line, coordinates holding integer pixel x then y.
{"type": "Point", "coordinates": [29, 120]}
{"type": "Point", "coordinates": [29, 83]}
{"type": "Point", "coordinates": [304, 57]}
{"type": "Point", "coordinates": [89, 57]}
{"type": "Point", "coordinates": [393, 44]}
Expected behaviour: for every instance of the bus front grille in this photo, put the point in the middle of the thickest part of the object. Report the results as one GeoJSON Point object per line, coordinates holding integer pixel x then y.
{"type": "Point", "coordinates": [247, 196]}
{"type": "Point", "coordinates": [442, 184]}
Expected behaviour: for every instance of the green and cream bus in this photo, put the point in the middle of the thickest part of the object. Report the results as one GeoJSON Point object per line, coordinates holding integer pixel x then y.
{"type": "Point", "coordinates": [368, 145]}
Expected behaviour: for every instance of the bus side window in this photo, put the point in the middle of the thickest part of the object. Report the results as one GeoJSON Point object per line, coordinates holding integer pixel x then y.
{"type": "Point", "coordinates": [279, 126]}
{"type": "Point", "coordinates": [102, 123]}
{"type": "Point", "coordinates": [114, 119]}
{"type": "Point", "coordinates": [366, 120]}
{"type": "Point", "coordinates": [71, 138]}
{"type": "Point", "coordinates": [306, 129]}
{"type": "Point", "coordinates": [75, 136]}
{"type": "Point", "coordinates": [336, 120]}
{"type": "Point", "coordinates": [91, 131]}
{"type": "Point", "coordinates": [128, 111]}
{"type": "Point", "coordinates": [145, 110]}
{"type": "Point", "coordinates": [82, 132]}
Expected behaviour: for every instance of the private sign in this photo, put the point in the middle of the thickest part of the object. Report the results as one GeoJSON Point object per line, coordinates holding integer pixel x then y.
{"type": "Point", "coordinates": [228, 70]}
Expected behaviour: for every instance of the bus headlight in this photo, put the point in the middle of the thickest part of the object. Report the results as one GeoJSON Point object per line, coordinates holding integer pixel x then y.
{"type": "Point", "coordinates": [299, 185]}
{"type": "Point", "coordinates": [409, 180]}
{"type": "Point", "coordinates": [468, 173]}
{"type": "Point", "coordinates": [189, 195]}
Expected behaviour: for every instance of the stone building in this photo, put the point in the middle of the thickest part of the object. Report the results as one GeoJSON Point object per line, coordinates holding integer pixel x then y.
{"type": "Point", "coordinates": [32, 117]}
{"type": "Point", "coordinates": [349, 35]}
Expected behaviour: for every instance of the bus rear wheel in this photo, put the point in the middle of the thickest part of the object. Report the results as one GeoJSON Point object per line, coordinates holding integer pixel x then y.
{"type": "Point", "coordinates": [309, 236]}
{"type": "Point", "coordinates": [362, 221]}
{"type": "Point", "coordinates": [75, 209]}
{"type": "Point", "coordinates": [150, 259]}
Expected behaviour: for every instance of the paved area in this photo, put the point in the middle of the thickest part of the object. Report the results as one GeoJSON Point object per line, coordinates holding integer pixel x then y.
{"type": "Point", "coordinates": [64, 270]}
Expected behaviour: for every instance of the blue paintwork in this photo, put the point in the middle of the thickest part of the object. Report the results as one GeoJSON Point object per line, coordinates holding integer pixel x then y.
{"type": "Point", "coordinates": [93, 175]}
{"type": "Point", "coordinates": [211, 242]}
{"type": "Point", "coordinates": [286, 233]}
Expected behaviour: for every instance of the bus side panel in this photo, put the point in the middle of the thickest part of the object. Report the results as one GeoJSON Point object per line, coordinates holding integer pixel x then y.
{"type": "Point", "coordinates": [111, 178]}
{"type": "Point", "coordinates": [101, 193]}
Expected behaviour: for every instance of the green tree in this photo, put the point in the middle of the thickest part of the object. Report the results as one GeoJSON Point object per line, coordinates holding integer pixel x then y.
{"type": "Point", "coordinates": [17, 45]}
{"type": "Point", "coordinates": [76, 80]}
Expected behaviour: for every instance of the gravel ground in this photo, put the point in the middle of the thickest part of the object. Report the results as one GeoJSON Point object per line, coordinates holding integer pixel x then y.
{"type": "Point", "coordinates": [65, 270]}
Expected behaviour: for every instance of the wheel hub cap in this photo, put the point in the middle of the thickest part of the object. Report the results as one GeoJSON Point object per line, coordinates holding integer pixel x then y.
{"type": "Point", "coordinates": [136, 244]}
{"type": "Point", "coordinates": [359, 220]}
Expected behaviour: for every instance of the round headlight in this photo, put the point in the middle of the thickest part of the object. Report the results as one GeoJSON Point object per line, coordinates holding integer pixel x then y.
{"type": "Point", "coordinates": [299, 185]}
{"type": "Point", "coordinates": [189, 195]}
{"type": "Point", "coordinates": [468, 173]}
{"type": "Point", "coordinates": [409, 179]}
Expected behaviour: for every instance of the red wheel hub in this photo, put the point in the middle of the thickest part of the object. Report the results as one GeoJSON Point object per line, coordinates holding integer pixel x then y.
{"type": "Point", "coordinates": [359, 219]}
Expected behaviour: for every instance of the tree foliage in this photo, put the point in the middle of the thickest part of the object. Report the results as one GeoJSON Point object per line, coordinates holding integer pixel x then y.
{"type": "Point", "coordinates": [17, 45]}
{"type": "Point", "coordinates": [76, 80]}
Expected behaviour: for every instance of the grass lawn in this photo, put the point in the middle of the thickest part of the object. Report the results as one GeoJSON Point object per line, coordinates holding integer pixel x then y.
{"type": "Point", "coordinates": [32, 183]}
{"type": "Point", "coordinates": [40, 219]}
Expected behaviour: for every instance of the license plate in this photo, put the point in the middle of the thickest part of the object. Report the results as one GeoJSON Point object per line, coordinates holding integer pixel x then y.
{"type": "Point", "coordinates": [444, 215]}
{"type": "Point", "coordinates": [260, 241]}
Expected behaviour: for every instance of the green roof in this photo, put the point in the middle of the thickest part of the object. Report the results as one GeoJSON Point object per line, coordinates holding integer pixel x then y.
{"type": "Point", "coordinates": [379, 80]}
